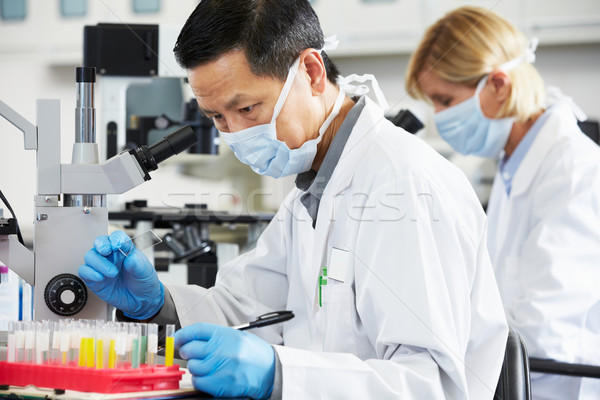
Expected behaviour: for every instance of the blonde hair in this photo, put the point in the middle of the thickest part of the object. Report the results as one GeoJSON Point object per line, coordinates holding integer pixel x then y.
{"type": "Point", "coordinates": [466, 45]}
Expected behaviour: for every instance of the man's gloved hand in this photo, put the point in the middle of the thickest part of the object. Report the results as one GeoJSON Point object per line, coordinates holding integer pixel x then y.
{"type": "Point", "coordinates": [128, 283]}
{"type": "Point", "coordinates": [225, 362]}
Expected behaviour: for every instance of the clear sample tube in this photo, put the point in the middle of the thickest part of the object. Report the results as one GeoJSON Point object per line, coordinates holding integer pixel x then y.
{"type": "Point", "coordinates": [152, 348]}
{"type": "Point", "coordinates": [11, 343]}
{"type": "Point", "coordinates": [74, 342]}
{"type": "Point", "coordinates": [42, 342]}
{"type": "Point", "coordinates": [169, 344]}
{"type": "Point", "coordinates": [55, 356]}
{"type": "Point", "coordinates": [29, 342]}
{"type": "Point", "coordinates": [128, 343]}
{"type": "Point", "coordinates": [121, 347]}
{"type": "Point", "coordinates": [20, 341]}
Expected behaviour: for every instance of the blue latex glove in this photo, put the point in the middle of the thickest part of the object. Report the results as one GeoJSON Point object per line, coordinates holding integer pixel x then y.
{"type": "Point", "coordinates": [225, 362]}
{"type": "Point", "coordinates": [128, 283]}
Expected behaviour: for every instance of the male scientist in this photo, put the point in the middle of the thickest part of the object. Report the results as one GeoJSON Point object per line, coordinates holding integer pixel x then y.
{"type": "Point", "coordinates": [379, 251]}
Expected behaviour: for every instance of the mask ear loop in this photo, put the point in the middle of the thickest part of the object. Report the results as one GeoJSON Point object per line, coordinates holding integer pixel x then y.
{"type": "Point", "coordinates": [528, 55]}
{"type": "Point", "coordinates": [363, 89]}
{"type": "Point", "coordinates": [331, 43]}
{"type": "Point", "coordinates": [286, 89]}
{"type": "Point", "coordinates": [337, 106]}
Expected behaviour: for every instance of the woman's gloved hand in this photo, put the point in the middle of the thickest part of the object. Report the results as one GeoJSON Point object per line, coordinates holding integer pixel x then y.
{"type": "Point", "coordinates": [128, 283]}
{"type": "Point", "coordinates": [225, 362]}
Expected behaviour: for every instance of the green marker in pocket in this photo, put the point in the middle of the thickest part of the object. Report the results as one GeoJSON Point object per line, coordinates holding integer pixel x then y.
{"type": "Point", "coordinates": [322, 282]}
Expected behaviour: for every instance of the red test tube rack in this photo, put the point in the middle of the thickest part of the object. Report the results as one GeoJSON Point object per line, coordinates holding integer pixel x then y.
{"type": "Point", "coordinates": [94, 380]}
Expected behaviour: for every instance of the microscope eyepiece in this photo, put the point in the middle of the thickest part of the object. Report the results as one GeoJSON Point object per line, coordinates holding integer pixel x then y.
{"type": "Point", "coordinates": [172, 144]}
{"type": "Point", "coordinates": [85, 74]}
{"type": "Point", "coordinates": [150, 156]}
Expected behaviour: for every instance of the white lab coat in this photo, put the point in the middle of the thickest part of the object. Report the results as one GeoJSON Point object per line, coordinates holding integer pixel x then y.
{"type": "Point", "coordinates": [544, 241]}
{"type": "Point", "coordinates": [417, 314]}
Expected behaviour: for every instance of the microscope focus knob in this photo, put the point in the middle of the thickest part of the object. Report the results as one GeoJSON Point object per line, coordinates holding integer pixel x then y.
{"type": "Point", "coordinates": [65, 294]}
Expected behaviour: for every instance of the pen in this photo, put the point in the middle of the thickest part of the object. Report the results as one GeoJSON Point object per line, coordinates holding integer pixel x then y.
{"type": "Point", "coordinates": [267, 319]}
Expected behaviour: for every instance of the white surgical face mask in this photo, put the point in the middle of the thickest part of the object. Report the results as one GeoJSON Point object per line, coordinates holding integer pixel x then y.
{"type": "Point", "coordinates": [259, 147]}
{"type": "Point", "coordinates": [468, 130]}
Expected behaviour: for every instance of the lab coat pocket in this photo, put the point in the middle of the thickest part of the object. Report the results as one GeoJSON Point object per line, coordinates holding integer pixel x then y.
{"type": "Point", "coordinates": [338, 302]}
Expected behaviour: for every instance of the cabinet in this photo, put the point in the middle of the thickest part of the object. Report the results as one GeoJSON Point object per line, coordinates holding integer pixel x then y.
{"type": "Point", "coordinates": [47, 35]}
{"type": "Point", "coordinates": [380, 26]}
{"type": "Point", "coordinates": [562, 22]}
{"type": "Point", "coordinates": [508, 9]}
{"type": "Point", "coordinates": [367, 27]}
{"type": "Point", "coordinates": [364, 27]}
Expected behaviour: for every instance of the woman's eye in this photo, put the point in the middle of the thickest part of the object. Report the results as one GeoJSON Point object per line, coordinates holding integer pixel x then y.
{"type": "Point", "coordinates": [218, 117]}
{"type": "Point", "coordinates": [443, 101]}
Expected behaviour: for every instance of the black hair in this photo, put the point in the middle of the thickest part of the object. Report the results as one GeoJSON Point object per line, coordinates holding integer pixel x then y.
{"type": "Point", "coordinates": [271, 33]}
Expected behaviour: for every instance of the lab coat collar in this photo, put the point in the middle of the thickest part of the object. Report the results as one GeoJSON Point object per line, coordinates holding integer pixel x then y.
{"type": "Point", "coordinates": [560, 122]}
{"type": "Point", "coordinates": [364, 133]}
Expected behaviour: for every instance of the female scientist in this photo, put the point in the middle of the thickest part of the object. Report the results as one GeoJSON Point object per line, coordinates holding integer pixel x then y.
{"type": "Point", "coordinates": [544, 209]}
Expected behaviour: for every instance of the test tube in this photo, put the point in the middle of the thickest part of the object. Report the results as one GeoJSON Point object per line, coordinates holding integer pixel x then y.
{"type": "Point", "coordinates": [169, 344]}
{"type": "Point", "coordinates": [74, 342]}
{"type": "Point", "coordinates": [29, 341]}
{"type": "Point", "coordinates": [42, 342]}
{"type": "Point", "coordinates": [38, 346]}
{"type": "Point", "coordinates": [121, 347]}
{"type": "Point", "coordinates": [100, 339]}
{"type": "Point", "coordinates": [81, 362]}
{"type": "Point", "coordinates": [65, 341]}
{"type": "Point", "coordinates": [20, 341]}
{"type": "Point", "coordinates": [143, 342]}
{"type": "Point", "coordinates": [55, 356]}
{"type": "Point", "coordinates": [112, 352]}
{"type": "Point", "coordinates": [128, 343]}
{"type": "Point", "coordinates": [152, 344]}
{"type": "Point", "coordinates": [134, 335]}
{"type": "Point", "coordinates": [11, 344]}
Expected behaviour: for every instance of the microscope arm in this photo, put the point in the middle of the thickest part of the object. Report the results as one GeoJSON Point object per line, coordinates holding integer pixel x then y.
{"type": "Point", "coordinates": [115, 176]}
{"type": "Point", "coordinates": [17, 257]}
{"type": "Point", "coordinates": [28, 129]}
{"type": "Point", "coordinates": [126, 170]}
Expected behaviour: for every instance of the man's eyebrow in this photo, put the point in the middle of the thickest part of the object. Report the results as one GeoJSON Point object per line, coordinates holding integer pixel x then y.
{"type": "Point", "coordinates": [206, 113]}
{"type": "Point", "coordinates": [235, 101]}
{"type": "Point", "coordinates": [231, 104]}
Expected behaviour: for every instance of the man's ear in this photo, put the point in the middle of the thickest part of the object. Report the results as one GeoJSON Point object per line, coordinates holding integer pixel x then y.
{"type": "Point", "coordinates": [315, 69]}
{"type": "Point", "coordinates": [501, 84]}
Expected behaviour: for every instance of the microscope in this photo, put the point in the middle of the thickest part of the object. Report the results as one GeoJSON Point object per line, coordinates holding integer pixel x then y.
{"type": "Point", "coordinates": [70, 208]}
